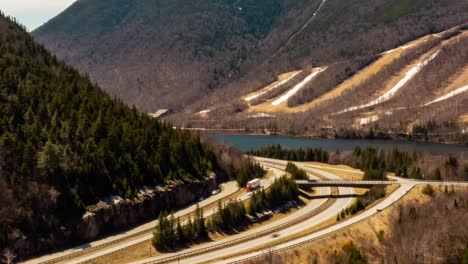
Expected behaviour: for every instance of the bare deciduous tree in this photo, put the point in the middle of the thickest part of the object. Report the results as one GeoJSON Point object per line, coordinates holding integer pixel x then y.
{"type": "Point", "coordinates": [8, 256]}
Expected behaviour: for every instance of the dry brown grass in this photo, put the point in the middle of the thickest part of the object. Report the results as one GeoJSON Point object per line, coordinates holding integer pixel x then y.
{"type": "Point", "coordinates": [355, 80]}
{"type": "Point", "coordinates": [268, 87]}
{"type": "Point", "coordinates": [298, 258]}
{"type": "Point", "coordinates": [363, 234]}
{"type": "Point", "coordinates": [463, 118]}
{"type": "Point", "coordinates": [268, 107]}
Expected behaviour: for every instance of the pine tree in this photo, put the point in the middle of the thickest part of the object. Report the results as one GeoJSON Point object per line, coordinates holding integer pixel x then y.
{"type": "Point", "coordinates": [179, 234]}
{"type": "Point", "coordinates": [189, 231]}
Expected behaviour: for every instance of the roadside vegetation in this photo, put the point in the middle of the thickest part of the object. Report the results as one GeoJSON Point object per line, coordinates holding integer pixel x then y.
{"type": "Point", "coordinates": [171, 233]}
{"type": "Point", "coordinates": [430, 232]}
{"type": "Point", "coordinates": [300, 154]}
{"type": "Point", "coordinates": [296, 173]}
{"type": "Point", "coordinates": [228, 217]}
{"type": "Point", "coordinates": [417, 229]}
{"type": "Point", "coordinates": [415, 165]}
{"type": "Point", "coordinates": [362, 202]}
{"type": "Point", "coordinates": [249, 170]}
{"type": "Point", "coordinates": [233, 216]}
{"type": "Point", "coordinates": [350, 254]}
{"type": "Point", "coordinates": [281, 191]}
{"type": "Point", "coordinates": [376, 163]}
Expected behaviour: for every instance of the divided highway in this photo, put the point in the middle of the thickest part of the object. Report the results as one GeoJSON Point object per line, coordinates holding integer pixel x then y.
{"type": "Point", "coordinates": [257, 237]}
{"type": "Point", "coordinates": [143, 233]}
{"type": "Point", "coordinates": [227, 189]}
{"type": "Point", "coordinates": [251, 243]}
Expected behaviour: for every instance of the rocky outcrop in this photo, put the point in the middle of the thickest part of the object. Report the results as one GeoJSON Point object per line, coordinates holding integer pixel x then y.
{"type": "Point", "coordinates": [116, 214]}
{"type": "Point", "coordinates": [123, 213]}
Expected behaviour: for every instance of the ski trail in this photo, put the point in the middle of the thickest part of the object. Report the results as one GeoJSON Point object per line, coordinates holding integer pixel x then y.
{"type": "Point", "coordinates": [448, 95]}
{"type": "Point", "coordinates": [294, 35]}
{"type": "Point", "coordinates": [391, 93]}
{"type": "Point", "coordinates": [296, 88]}
{"type": "Point", "coordinates": [250, 98]}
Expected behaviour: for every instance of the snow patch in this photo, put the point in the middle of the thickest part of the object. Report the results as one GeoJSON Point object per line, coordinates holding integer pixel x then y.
{"type": "Point", "coordinates": [158, 113]}
{"type": "Point", "coordinates": [370, 119]}
{"type": "Point", "coordinates": [259, 115]}
{"type": "Point", "coordinates": [395, 49]}
{"type": "Point", "coordinates": [204, 113]}
{"type": "Point", "coordinates": [296, 88]}
{"type": "Point", "coordinates": [448, 95]}
{"type": "Point", "coordinates": [391, 93]}
{"type": "Point", "coordinates": [272, 87]}
{"type": "Point", "coordinates": [404, 47]}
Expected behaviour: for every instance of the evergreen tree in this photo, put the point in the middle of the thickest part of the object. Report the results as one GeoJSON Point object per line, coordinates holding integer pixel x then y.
{"type": "Point", "coordinates": [180, 234]}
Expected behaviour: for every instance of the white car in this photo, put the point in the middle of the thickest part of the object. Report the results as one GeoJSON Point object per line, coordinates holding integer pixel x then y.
{"type": "Point", "coordinates": [216, 191]}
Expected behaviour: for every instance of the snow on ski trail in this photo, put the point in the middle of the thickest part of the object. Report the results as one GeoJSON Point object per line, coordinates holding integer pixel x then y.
{"type": "Point", "coordinates": [448, 95]}
{"type": "Point", "coordinates": [250, 98]}
{"type": "Point", "coordinates": [296, 88]}
{"type": "Point", "coordinates": [390, 93]}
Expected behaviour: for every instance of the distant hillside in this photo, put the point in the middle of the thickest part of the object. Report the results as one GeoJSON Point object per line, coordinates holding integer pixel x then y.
{"type": "Point", "coordinates": [417, 90]}
{"type": "Point", "coordinates": [202, 60]}
{"type": "Point", "coordinates": [164, 54]}
{"type": "Point", "coordinates": [65, 144]}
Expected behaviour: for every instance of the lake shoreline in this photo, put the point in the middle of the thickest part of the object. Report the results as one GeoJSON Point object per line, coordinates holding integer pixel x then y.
{"type": "Point", "coordinates": [402, 138]}
{"type": "Point", "coordinates": [257, 140]}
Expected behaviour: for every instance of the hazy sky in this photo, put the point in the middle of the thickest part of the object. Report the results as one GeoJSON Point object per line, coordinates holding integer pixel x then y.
{"type": "Point", "coordinates": [33, 13]}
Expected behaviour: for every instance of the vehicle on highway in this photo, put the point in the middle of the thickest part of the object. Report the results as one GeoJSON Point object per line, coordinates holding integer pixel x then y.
{"type": "Point", "coordinates": [253, 185]}
{"type": "Point", "coordinates": [216, 191]}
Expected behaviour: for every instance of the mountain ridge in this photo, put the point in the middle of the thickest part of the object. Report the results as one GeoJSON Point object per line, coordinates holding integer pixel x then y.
{"type": "Point", "coordinates": [194, 76]}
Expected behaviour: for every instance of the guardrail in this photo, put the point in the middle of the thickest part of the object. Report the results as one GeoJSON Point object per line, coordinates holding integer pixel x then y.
{"type": "Point", "coordinates": [275, 251]}
{"type": "Point", "coordinates": [343, 183]}
{"type": "Point", "coordinates": [234, 242]}
{"type": "Point", "coordinates": [120, 240]}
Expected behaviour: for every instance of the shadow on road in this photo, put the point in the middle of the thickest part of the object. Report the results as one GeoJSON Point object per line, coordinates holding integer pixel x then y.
{"type": "Point", "coordinates": [331, 196]}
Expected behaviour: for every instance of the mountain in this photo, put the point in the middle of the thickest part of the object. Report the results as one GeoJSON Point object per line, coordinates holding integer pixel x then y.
{"type": "Point", "coordinates": [65, 145]}
{"type": "Point", "coordinates": [159, 54]}
{"type": "Point", "coordinates": [202, 59]}
{"type": "Point", "coordinates": [419, 88]}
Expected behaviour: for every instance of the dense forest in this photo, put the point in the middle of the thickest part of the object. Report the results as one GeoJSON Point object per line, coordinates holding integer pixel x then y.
{"type": "Point", "coordinates": [171, 233]}
{"type": "Point", "coordinates": [296, 173]}
{"type": "Point", "coordinates": [377, 162]}
{"type": "Point", "coordinates": [300, 154]}
{"type": "Point", "coordinates": [64, 143]}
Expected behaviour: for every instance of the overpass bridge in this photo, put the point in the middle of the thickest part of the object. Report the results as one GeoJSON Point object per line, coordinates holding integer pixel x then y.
{"type": "Point", "coordinates": [355, 184]}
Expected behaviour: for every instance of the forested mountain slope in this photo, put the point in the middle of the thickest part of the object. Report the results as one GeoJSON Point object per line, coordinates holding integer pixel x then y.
{"type": "Point", "coordinates": [419, 89]}
{"type": "Point", "coordinates": [166, 54]}
{"type": "Point", "coordinates": [64, 144]}
{"type": "Point", "coordinates": [202, 59]}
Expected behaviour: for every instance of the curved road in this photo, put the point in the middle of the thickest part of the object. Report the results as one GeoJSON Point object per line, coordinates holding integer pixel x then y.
{"type": "Point", "coordinates": [406, 186]}
{"type": "Point", "coordinates": [124, 240]}
{"type": "Point", "coordinates": [227, 189]}
{"type": "Point", "coordinates": [226, 248]}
